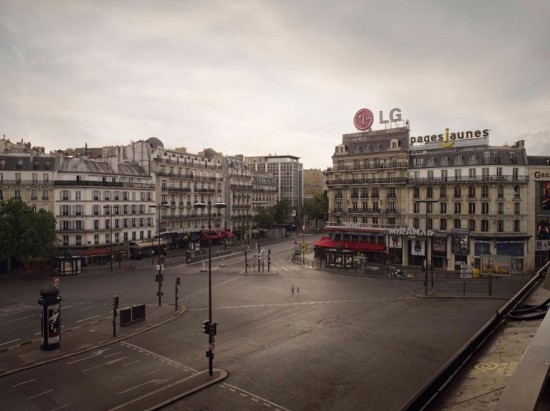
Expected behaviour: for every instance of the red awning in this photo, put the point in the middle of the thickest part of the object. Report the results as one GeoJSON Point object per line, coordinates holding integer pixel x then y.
{"type": "Point", "coordinates": [326, 242]}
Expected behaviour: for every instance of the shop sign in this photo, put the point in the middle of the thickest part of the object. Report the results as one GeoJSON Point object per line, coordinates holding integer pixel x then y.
{"type": "Point", "coordinates": [411, 231]}
{"type": "Point", "coordinates": [364, 118]}
{"type": "Point", "coordinates": [448, 139]}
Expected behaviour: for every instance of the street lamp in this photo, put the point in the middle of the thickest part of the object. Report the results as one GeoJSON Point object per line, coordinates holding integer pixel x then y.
{"type": "Point", "coordinates": [426, 202]}
{"type": "Point", "coordinates": [159, 275]}
{"type": "Point", "coordinates": [109, 209]}
{"type": "Point", "coordinates": [210, 327]}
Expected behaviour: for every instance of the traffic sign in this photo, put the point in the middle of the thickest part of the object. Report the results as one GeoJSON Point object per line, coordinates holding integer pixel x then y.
{"type": "Point", "coordinates": [211, 347]}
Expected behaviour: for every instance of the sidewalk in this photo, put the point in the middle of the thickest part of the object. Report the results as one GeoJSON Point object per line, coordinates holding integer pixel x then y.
{"type": "Point", "coordinates": [76, 339]}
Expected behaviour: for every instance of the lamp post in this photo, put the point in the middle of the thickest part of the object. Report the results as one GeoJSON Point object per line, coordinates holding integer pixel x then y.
{"type": "Point", "coordinates": [209, 326]}
{"type": "Point", "coordinates": [109, 209]}
{"type": "Point", "coordinates": [159, 275]}
{"type": "Point", "coordinates": [426, 202]}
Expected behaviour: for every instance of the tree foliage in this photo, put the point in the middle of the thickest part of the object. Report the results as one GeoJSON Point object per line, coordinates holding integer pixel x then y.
{"type": "Point", "coordinates": [314, 208]}
{"type": "Point", "coordinates": [264, 219]}
{"type": "Point", "coordinates": [282, 211]}
{"type": "Point", "coordinates": [25, 235]}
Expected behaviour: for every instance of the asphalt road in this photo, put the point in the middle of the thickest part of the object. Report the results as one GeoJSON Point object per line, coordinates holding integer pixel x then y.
{"type": "Point", "coordinates": [343, 342]}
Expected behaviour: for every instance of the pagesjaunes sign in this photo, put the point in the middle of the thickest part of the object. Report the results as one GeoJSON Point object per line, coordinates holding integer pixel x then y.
{"type": "Point", "coordinates": [448, 139]}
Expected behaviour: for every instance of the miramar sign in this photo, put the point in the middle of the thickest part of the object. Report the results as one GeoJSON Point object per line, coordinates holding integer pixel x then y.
{"type": "Point", "coordinates": [448, 139]}
{"type": "Point", "coordinates": [411, 231]}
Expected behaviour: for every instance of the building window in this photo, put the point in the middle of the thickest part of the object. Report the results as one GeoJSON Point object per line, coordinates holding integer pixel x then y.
{"type": "Point", "coordinates": [429, 192]}
{"type": "Point", "coordinates": [517, 192]}
{"type": "Point", "coordinates": [443, 224]}
{"type": "Point", "coordinates": [443, 208]}
{"type": "Point", "coordinates": [457, 192]}
{"type": "Point", "coordinates": [416, 192]}
{"type": "Point", "coordinates": [375, 220]}
{"type": "Point", "coordinates": [416, 208]}
{"type": "Point", "coordinates": [96, 239]}
{"type": "Point", "coordinates": [500, 191]}
{"type": "Point", "coordinates": [500, 226]}
{"type": "Point", "coordinates": [517, 208]}
{"type": "Point", "coordinates": [456, 223]}
{"type": "Point", "coordinates": [484, 191]}
{"type": "Point", "coordinates": [416, 222]}
{"type": "Point", "coordinates": [500, 208]}
{"type": "Point", "coordinates": [484, 208]}
{"type": "Point", "coordinates": [429, 224]}
{"type": "Point", "coordinates": [517, 226]}
{"type": "Point", "coordinates": [471, 208]}
{"type": "Point", "coordinates": [65, 240]}
{"type": "Point", "coordinates": [471, 191]}
{"type": "Point", "coordinates": [443, 192]}
{"type": "Point", "coordinates": [484, 226]}
{"type": "Point", "coordinates": [472, 225]}
{"type": "Point", "coordinates": [457, 208]}
{"type": "Point", "coordinates": [78, 240]}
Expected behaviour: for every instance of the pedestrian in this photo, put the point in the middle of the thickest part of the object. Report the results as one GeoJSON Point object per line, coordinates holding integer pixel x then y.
{"type": "Point", "coordinates": [292, 289]}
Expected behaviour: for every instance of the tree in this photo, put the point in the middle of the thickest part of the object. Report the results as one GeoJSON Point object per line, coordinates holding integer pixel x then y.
{"type": "Point", "coordinates": [264, 219]}
{"type": "Point", "coordinates": [25, 235]}
{"type": "Point", "coordinates": [282, 211]}
{"type": "Point", "coordinates": [314, 209]}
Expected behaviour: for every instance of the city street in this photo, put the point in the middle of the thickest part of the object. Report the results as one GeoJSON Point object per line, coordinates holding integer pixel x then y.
{"type": "Point", "coordinates": [344, 341]}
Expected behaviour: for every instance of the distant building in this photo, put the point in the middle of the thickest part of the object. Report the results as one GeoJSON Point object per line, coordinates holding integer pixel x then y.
{"type": "Point", "coordinates": [314, 183]}
{"type": "Point", "coordinates": [288, 172]}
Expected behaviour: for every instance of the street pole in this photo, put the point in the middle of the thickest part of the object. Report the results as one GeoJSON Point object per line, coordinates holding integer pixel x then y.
{"type": "Point", "coordinates": [211, 327]}
{"type": "Point", "coordinates": [426, 260]}
{"type": "Point", "coordinates": [159, 277]}
{"type": "Point", "coordinates": [109, 208]}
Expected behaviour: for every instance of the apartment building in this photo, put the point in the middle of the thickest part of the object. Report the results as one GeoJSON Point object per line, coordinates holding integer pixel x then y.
{"type": "Point", "coordinates": [288, 172]}
{"type": "Point", "coordinates": [444, 200]}
{"type": "Point", "coordinates": [238, 195]}
{"type": "Point", "coordinates": [101, 206]}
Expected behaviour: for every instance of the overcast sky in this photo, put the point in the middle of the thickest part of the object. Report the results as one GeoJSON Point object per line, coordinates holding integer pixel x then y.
{"type": "Point", "coordinates": [270, 77]}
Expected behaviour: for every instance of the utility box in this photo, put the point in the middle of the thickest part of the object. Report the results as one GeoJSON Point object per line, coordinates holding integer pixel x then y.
{"type": "Point", "coordinates": [125, 315]}
{"type": "Point", "coordinates": [138, 312]}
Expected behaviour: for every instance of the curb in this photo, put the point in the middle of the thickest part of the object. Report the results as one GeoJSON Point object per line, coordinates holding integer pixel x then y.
{"type": "Point", "coordinates": [104, 343]}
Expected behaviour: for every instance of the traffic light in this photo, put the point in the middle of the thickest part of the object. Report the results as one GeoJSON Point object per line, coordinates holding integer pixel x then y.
{"type": "Point", "coordinates": [206, 327]}
{"type": "Point", "coordinates": [161, 276]}
{"type": "Point", "coordinates": [212, 330]}
{"type": "Point", "coordinates": [115, 302]}
{"type": "Point", "coordinates": [178, 280]}
{"type": "Point", "coordinates": [157, 278]}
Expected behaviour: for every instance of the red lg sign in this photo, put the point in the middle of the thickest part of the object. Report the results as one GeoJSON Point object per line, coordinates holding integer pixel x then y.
{"type": "Point", "coordinates": [363, 119]}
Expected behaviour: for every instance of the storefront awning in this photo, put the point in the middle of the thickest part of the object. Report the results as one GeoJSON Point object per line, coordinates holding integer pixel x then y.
{"type": "Point", "coordinates": [349, 245]}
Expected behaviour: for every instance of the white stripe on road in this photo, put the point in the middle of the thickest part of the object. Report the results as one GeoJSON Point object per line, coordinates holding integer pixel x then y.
{"type": "Point", "coordinates": [23, 382]}
{"type": "Point", "coordinates": [86, 319]}
{"type": "Point", "coordinates": [9, 342]}
{"type": "Point", "coordinates": [20, 318]}
{"type": "Point", "coordinates": [38, 395]}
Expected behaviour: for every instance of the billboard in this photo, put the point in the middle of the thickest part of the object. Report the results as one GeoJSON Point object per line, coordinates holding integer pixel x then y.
{"type": "Point", "coordinates": [460, 242]}
{"type": "Point", "coordinates": [496, 265]}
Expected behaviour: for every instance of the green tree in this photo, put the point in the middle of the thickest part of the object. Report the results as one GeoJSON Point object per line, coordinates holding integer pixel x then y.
{"type": "Point", "coordinates": [25, 235]}
{"type": "Point", "coordinates": [282, 211]}
{"type": "Point", "coordinates": [264, 219]}
{"type": "Point", "coordinates": [314, 209]}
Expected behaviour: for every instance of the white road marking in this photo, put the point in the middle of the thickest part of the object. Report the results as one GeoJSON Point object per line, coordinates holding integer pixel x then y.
{"type": "Point", "coordinates": [9, 342]}
{"type": "Point", "coordinates": [99, 352]}
{"type": "Point", "coordinates": [253, 397]}
{"type": "Point", "coordinates": [130, 363]}
{"type": "Point", "coordinates": [157, 355]}
{"type": "Point", "coordinates": [23, 382]}
{"type": "Point", "coordinates": [86, 319]}
{"type": "Point", "coordinates": [21, 318]}
{"type": "Point", "coordinates": [61, 407]}
{"type": "Point", "coordinates": [106, 363]}
{"type": "Point", "coordinates": [38, 395]}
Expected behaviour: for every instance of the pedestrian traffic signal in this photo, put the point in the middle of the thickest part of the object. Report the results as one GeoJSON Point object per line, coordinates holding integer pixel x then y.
{"type": "Point", "coordinates": [157, 278]}
{"type": "Point", "coordinates": [115, 302]}
{"type": "Point", "coordinates": [212, 330]}
{"type": "Point", "coordinates": [178, 280]}
{"type": "Point", "coordinates": [206, 327]}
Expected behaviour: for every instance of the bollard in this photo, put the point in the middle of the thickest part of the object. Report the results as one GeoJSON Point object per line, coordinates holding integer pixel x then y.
{"type": "Point", "coordinates": [50, 319]}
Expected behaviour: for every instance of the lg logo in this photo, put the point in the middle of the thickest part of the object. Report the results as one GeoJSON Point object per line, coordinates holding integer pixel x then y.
{"type": "Point", "coordinates": [364, 118]}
